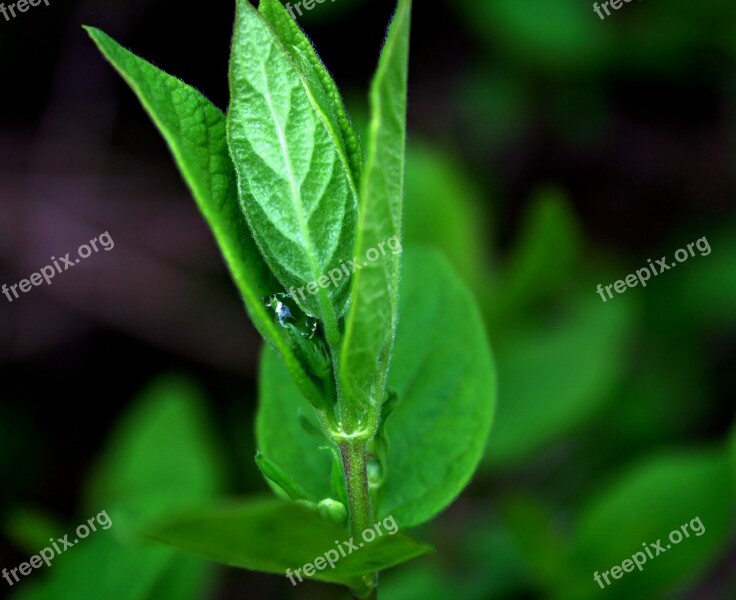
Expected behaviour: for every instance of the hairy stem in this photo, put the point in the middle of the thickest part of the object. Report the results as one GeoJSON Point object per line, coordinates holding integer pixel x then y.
{"type": "Point", "coordinates": [356, 481]}
{"type": "Point", "coordinates": [359, 498]}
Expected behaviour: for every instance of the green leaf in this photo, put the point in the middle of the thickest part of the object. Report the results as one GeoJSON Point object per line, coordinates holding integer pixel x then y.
{"type": "Point", "coordinates": [444, 376]}
{"type": "Point", "coordinates": [555, 377]}
{"type": "Point", "coordinates": [444, 210]}
{"type": "Point", "coordinates": [194, 130]}
{"type": "Point", "coordinates": [545, 256]}
{"type": "Point", "coordinates": [550, 37]}
{"type": "Point", "coordinates": [481, 561]}
{"type": "Point", "coordinates": [646, 505]}
{"type": "Point", "coordinates": [161, 457]}
{"type": "Point", "coordinates": [281, 435]}
{"type": "Point", "coordinates": [531, 524]}
{"type": "Point", "coordinates": [659, 401]}
{"type": "Point", "coordinates": [100, 566]}
{"type": "Point", "coordinates": [294, 184]}
{"type": "Point", "coordinates": [273, 536]}
{"type": "Point", "coordinates": [321, 83]}
{"type": "Point", "coordinates": [370, 324]}
{"type": "Point", "coordinates": [701, 294]}
{"type": "Point", "coordinates": [427, 582]}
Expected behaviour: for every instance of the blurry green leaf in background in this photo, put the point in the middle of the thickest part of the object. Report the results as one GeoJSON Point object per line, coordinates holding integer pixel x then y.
{"type": "Point", "coordinates": [161, 458]}
{"type": "Point", "coordinates": [544, 259]}
{"type": "Point", "coordinates": [555, 35]}
{"type": "Point", "coordinates": [701, 296]}
{"type": "Point", "coordinates": [644, 505]}
{"type": "Point", "coordinates": [444, 210]}
{"type": "Point", "coordinates": [553, 378]}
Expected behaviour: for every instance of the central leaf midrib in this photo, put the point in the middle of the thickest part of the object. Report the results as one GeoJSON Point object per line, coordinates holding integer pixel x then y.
{"type": "Point", "coordinates": [296, 192]}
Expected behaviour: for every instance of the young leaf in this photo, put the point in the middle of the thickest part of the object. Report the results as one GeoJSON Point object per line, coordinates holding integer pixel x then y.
{"type": "Point", "coordinates": [445, 380]}
{"type": "Point", "coordinates": [194, 130]}
{"type": "Point", "coordinates": [276, 536]}
{"type": "Point", "coordinates": [279, 479]}
{"type": "Point", "coordinates": [324, 88]}
{"type": "Point", "coordinates": [294, 185]}
{"type": "Point", "coordinates": [370, 325]}
{"type": "Point", "coordinates": [378, 447]}
{"type": "Point", "coordinates": [337, 475]}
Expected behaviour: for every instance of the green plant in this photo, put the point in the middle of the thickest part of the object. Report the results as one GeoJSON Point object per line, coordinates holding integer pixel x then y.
{"type": "Point", "coordinates": [363, 415]}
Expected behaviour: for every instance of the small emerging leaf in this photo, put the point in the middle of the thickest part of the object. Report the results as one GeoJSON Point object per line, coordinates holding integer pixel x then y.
{"type": "Point", "coordinates": [276, 476]}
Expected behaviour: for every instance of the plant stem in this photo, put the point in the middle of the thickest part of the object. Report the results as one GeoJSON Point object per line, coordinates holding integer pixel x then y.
{"type": "Point", "coordinates": [356, 482]}
{"type": "Point", "coordinates": [359, 498]}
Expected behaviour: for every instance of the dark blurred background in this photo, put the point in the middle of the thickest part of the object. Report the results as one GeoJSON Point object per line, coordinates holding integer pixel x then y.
{"type": "Point", "coordinates": [549, 151]}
